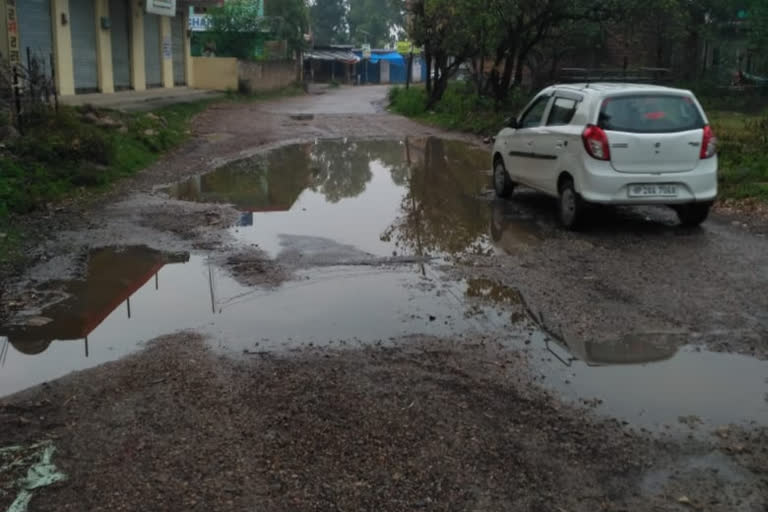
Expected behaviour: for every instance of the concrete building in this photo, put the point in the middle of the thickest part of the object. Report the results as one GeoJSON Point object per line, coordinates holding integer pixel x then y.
{"type": "Point", "coordinates": [102, 45]}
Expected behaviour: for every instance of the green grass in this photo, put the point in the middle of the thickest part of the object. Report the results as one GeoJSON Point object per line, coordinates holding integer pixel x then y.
{"type": "Point", "coordinates": [743, 152]}
{"type": "Point", "coordinates": [460, 109]}
{"type": "Point", "coordinates": [64, 154]}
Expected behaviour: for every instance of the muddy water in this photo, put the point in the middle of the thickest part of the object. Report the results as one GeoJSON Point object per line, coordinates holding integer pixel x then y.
{"type": "Point", "coordinates": [415, 197]}
{"type": "Point", "coordinates": [361, 225]}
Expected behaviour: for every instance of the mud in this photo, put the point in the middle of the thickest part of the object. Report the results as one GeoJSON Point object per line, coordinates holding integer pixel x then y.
{"type": "Point", "coordinates": [251, 267]}
{"type": "Point", "coordinates": [633, 272]}
{"type": "Point", "coordinates": [427, 424]}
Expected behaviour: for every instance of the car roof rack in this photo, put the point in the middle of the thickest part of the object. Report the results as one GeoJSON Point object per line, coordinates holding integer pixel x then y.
{"type": "Point", "coordinates": [643, 75]}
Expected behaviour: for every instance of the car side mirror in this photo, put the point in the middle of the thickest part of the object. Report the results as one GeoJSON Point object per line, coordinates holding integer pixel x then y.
{"type": "Point", "coordinates": [511, 122]}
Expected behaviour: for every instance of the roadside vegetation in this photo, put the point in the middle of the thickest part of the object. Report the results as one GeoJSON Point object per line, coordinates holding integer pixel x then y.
{"type": "Point", "coordinates": [77, 150]}
{"type": "Point", "coordinates": [743, 141]}
{"type": "Point", "coordinates": [81, 148]}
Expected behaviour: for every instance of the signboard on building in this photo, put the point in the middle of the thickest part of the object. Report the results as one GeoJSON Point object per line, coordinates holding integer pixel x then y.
{"type": "Point", "coordinates": [199, 22]}
{"type": "Point", "coordinates": [366, 51]}
{"type": "Point", "coordinates": [404, 47]}
{"type": "Point", "coordinates": [13, 32]}
{"type": "Point", "coordinates": [161, 7]}
{"type": "Point", "coordinates": [167, 48]}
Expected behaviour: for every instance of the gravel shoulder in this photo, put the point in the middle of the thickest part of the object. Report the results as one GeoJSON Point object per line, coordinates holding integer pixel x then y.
{"type": "Point", "coordinates": [633, 272]}
{"type": "Point", "coordinates": [421, 423]}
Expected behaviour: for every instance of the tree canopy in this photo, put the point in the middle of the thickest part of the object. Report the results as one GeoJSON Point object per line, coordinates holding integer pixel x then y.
{"type": "Point", "coordinates": [289, 20]}
{"type": "Point", "coordinates": [375, 22]}
{"type": "Point", "coordinates": [502, 40]}
{"type": "Point", "coordinates": [329, 22]}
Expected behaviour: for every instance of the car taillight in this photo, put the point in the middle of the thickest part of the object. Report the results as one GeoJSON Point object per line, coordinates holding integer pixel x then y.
{"type": "Point", "coordinates": [708, 144]}
{"type": "Point", "coordinates": [596, 142]}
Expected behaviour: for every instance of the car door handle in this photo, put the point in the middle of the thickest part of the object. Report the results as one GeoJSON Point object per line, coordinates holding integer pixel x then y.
{"type": "Point", "coordinates": [561, 144]}
{"type": "Point", "coordinates": [530, 143]}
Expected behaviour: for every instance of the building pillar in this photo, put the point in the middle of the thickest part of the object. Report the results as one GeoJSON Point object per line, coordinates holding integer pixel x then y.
{"type": "Point", "coordinates": [138, 74]}
{"type": "Point", "coordinates": [104, 48]}
{"type": "Point", "coordinates": [62, 47]}
{"type": "Point", "coordinates": [4, 32]}
{"type": "Point", "coordinates": [167, 52]}
{"type": "Point", "coordinates": [189, 70]}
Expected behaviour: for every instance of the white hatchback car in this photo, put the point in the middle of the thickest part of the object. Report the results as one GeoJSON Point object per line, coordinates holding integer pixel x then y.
{"type": "Point", "coordinates": [611, 143]}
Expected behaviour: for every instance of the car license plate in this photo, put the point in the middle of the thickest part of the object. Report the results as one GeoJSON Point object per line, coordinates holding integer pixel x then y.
{"type": "Point", "coordinates": [663, 190]}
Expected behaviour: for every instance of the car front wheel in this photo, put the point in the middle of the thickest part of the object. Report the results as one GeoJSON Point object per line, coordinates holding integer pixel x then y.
{"type": "Point", "coordinates": [570, 205]}
{"type": "Point", "coordinates": [692, 215]}
{"type": "Point", "coordinates": [501, 182]}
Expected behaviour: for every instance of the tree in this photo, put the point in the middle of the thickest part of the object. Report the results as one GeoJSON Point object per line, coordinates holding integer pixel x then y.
{"type": "Point", "coordinates": [757, 15]}
{"type": "Point", "coordinates": [289, 20]}
{"type": "Point", "coordinates": [444, 29]}
{"type": "Point", "coordinates": [237, 28]}
{"type": "Point", "coordinates": [329, 22]}
{"type": "Point", "coordinates": [377, 22]}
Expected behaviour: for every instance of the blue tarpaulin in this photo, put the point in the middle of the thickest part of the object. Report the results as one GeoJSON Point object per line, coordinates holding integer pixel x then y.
{"type": "Point", "coordinates": [394, 58]}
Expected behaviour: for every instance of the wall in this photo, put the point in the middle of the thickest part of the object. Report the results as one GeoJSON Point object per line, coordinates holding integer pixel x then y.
{"type": "Point", "coordinates": [266, 75]}
{"type": "Point", "coordinates": [215, 73]}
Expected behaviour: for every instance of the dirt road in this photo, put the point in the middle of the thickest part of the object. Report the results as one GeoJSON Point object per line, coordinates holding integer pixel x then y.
{"type": "Point", "coordinates": [344, 318]}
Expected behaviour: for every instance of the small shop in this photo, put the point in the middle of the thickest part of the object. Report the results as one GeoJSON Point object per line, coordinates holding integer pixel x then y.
{"type": "Point", "coordinates": [332, 64]}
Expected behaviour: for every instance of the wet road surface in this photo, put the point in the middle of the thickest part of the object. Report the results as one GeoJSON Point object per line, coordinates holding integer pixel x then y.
{"type": "Point", "coordinates": [379, 333]}
{"type": "Point", "coordinates": [368, 231]}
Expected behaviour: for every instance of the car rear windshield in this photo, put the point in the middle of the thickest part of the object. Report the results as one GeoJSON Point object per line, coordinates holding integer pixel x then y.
{"type": "Point", "coordinates": [650, 113]}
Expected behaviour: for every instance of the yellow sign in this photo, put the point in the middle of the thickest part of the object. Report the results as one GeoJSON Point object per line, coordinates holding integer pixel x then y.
{"type": "Point", "coordinates": [13, 33]}
{"type": "Point", "coordinates": [404, 47]}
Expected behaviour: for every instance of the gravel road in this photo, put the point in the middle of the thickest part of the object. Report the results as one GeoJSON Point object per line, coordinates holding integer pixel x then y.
{"type": "Point", "coordinates": [405, 420]}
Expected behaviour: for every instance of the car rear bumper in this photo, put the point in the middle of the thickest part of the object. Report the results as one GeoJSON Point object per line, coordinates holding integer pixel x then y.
{"type": "Point", "coordinates": [601, 184]}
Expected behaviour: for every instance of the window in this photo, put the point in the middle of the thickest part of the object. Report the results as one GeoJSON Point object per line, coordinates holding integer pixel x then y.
{"type": "Point", "coordinates": [650, 113]}
{"type": "Point", "coordinates": [563, 110]}
{"type": "Point", "coordinates": [533, 116]}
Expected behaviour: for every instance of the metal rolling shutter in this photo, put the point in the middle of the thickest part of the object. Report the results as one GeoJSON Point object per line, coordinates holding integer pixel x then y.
{"type": "Point", "coordinates": [83, 23]}
{"type": "Point", "coordinates": [152, 63]}
{"type": "Point", "coordinates": [178, 33]}
{"type": "Point", "coordinates": [121, 43]}
{"type": "Point", "coordinates": [34, 19]}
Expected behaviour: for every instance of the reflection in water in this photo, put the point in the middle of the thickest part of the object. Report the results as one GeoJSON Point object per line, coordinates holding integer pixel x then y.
{"type": "Point", "coordinates": [274, 182]}
{"type": "Point", "coordinates": [351, 191]}
{"type": "Point", "coordinates": [641, 348]}
{"type": "Point", "coordinates": [113, 277]}
{"type": "Point", "coordinates": [513, 234]}
{"type": "Point", "coordinates": [261, 184]}
{"type": "Point", "coordinates": [440, 212]}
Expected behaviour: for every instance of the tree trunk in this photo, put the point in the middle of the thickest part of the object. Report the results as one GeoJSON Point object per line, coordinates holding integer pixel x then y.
{"type": "Point", "coordinates": [519, 68]}
{"type": "Point", "coordinates": [428, 63]}
{"type": "Point", "coordinates": [505, 81]}
{"type": "Point", "coordinates": [409, 71]}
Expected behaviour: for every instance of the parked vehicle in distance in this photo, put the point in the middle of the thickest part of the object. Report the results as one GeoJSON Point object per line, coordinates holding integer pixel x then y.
{"type": "Point", "coordinates": [611, 143]}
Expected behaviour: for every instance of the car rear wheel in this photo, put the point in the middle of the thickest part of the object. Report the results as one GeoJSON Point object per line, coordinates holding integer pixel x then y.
{"type": "Point", "coordinates": [501, 182]}
{"type": "Point", "coordinates": [692, 215]}
{"type": "Point", "coordinates": [570, 205]}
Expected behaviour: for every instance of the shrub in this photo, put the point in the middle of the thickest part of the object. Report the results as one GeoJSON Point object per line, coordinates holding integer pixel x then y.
{"type": "Point", "coordinates": [410, 102]}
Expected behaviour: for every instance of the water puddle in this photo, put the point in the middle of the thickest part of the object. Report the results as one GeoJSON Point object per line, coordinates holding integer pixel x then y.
{"type": "Point", "coordinates": [415, 196]}
{"type": "Point", "coordinates": [359, 225]}
{"type": "Point", "coordinates": [117, 308]}
{"type": "Point", "coordinates": [659, 386]}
